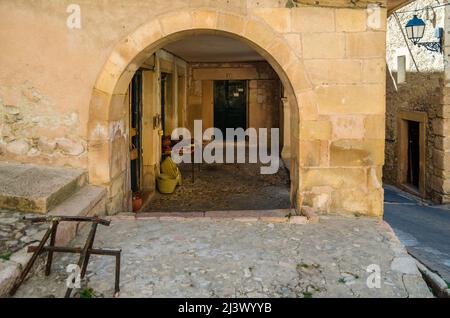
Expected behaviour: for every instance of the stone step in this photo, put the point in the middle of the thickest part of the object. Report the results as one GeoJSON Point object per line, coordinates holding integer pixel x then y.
{"type": "Point", "coordinates": [88, 201]}
{"type": "Point", "coordinates": [36, 188]}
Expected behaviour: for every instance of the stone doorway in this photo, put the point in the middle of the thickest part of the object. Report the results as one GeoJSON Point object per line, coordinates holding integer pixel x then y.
{"type": "Point", "coordinates": [412, 151]}
{"type": "Point", "coordinates": [186, 106]}
{"type": "Point", "coordinates": [335, 160]}
{"type": "Point", "coordinates": [178, 88]}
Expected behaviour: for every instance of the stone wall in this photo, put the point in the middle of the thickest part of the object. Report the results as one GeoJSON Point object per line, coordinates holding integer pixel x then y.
{"type": "Point", "coordinates": [443, 160]}
{"type": "Point", "coordinates": [421, 92]}
{"type": "Point", "coordinates": [331, 61]}
{"type": "Point", "coordinates": [34, 128]}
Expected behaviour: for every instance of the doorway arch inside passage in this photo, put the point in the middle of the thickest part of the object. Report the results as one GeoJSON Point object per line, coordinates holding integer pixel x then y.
{"type": "Point", "coordinates": [107, 131]}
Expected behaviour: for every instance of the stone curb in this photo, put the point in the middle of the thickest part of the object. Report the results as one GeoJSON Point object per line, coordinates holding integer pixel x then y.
{"type": "Point", "coordinates": [437, 284]}
{"type": "Point", "coordinates": [267, 219]}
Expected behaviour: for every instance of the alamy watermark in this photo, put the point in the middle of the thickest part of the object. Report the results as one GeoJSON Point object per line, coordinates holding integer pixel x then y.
{"type": "Point", "coordinates": [74, 19]}
{"type": "Point", "coordinates": [74, 278]}
{"type": "Point", "coordinates": [253, 140]}
{"type": "Point", "coordinates": [374, 279]}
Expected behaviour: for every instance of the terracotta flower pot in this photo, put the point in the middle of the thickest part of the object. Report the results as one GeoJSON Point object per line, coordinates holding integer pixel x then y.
{"type": "Point", "coordinates": [137, 202]}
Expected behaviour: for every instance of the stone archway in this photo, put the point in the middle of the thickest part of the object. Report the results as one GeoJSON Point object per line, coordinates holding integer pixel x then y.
{"type": "Point", "coordinates": [106, 130]}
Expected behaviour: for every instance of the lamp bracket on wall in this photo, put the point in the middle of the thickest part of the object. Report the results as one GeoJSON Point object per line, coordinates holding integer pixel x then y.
{"type": "Point", "coordinates": [432, 46]}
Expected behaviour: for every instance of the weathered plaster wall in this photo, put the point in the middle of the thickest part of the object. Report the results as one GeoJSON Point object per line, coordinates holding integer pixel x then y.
{"type": "Point", "coordinates": [35, 129]}
{"type": "Point", "coordinates": [422, 92]}
{"type": "Point", "coordinates": [330, 59]}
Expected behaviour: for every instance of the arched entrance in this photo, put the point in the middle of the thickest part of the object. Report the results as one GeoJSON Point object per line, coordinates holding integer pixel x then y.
{"type": "Point", "coordinates": [108, 133]}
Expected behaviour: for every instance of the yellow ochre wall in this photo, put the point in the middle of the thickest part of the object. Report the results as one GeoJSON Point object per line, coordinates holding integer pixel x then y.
{"type": "Point", "coordinates": [63, 90]}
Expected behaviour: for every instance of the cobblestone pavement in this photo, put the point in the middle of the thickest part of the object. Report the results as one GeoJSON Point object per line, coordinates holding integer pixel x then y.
{"type": "Point", "coordinates": [220, 258]}
{"type": "Point", "coordinates": [15, 233]}
{"type": "Point", "coordinates": [225, 187]}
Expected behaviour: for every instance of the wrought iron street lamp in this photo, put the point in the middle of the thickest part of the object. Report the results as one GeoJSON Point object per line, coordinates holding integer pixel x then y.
{"type": "Point", "coordinates": [415, 29]}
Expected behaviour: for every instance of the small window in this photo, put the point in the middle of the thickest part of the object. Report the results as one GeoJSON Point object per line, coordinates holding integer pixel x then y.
{"type": "Point", "coordinates": [401, 69]}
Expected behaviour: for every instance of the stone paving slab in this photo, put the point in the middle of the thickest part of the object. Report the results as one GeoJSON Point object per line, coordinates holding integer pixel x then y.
{"type": "Point", "coordinates": [35, 188]}
{"type": "Point", "coordinates": [225, 187]}
{"type": "Point", "coordinates": [280, 213]}
{"type": "Point", "coordinates": [224, 258]}
{"type": "Point", "coordinates": [15, 235]}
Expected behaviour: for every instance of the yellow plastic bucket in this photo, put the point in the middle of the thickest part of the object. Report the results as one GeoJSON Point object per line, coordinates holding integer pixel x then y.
{"type": "Point", "coordinates": [166, 183]}
{"type": "Point", "coordinates": [170, 168]}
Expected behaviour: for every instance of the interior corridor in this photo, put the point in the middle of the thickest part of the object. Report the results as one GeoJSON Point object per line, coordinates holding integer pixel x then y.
{"type": "Point", "coordinates": [197, 85]}
{"type": "Point", "coordinates": [223, 187]}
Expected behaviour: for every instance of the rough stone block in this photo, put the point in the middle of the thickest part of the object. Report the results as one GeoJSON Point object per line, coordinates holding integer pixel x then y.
{"type": "Point", "coordinates": [283, 53]}
{"type": "Point", "coordinates": [374, 127]}
{"type": "Point", "coordinates": [349, 152]}
{"type": "Point", "coordinates": [328, 71]}
{"type": "Point", "coordinates": [310, 153]}
{"type": "Point", "coordinates": [204, 19]}
{"type": "Point", "coordinates": [259, 33]}
{"type": "Point", "coordinates": [308, 105]}
{"type": "Point", "coordinates": [315, 130]}
{"type": "Point", "coordinates": [277, 18]}
{"type": "Point", "coordinates": [173, 23]}
{"type": "Point", "coordinates": [347, 127]}
{"type": "Point", "coordinates": [358, 201]}
{"type": "Point", "coordinates": [147, 34]}
{"type": "Point", "coordinates": [353, 99]}
{"type": "Point", "coordinates": [298, 77]}
{"type": "Point", "coordinates": [313, 19]}
{"type": "Point", "coordinates": [441, 126]}
{"type": "Point", "coordinates": [336, 178]}
{"type": "Point", "coordinates": [366, 44]}
{"type": "Point", "coordinates": [441, 142]}
{"type": "Point", "coordinates": [374, 71]}
{"type": "Point", "coordinates": [231, 23]}
{"type": "Point", "coordinates": [351, 20]}
{"type": "Point", "coordinates": [99, 151]}
{"type": "Point", "coordinates": [313, 48]}
{"type": "Point", "coordinates": [441, 159]}
{"type": "Point", "coordinates": [295, 42]}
